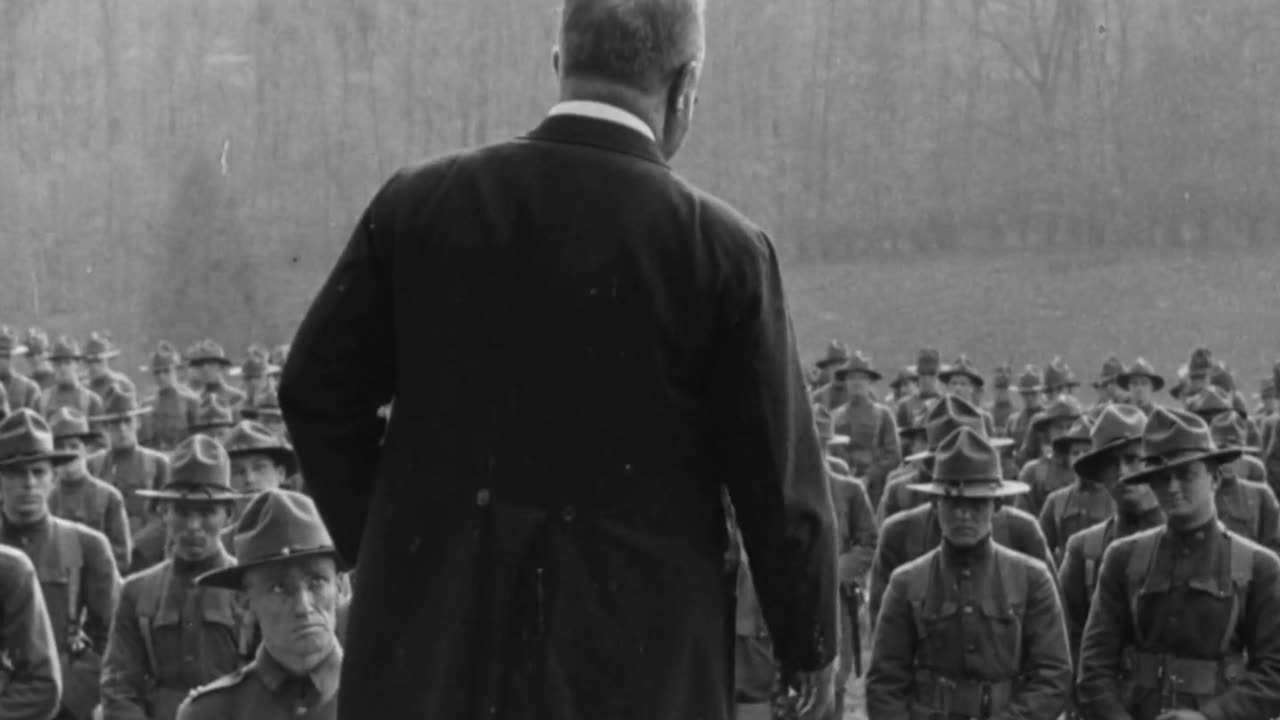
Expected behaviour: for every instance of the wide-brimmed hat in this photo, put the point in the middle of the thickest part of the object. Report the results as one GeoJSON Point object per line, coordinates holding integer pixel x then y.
{"type": "Point", "coordinates": [1201, 362]}
{"type": "Point", "coordinates": [1064, 408]}
{"type": "Point", "coordinates": [1112, 369]}
{"type": "Point", "coordinates": [858, 363]}
{"type": "Point", "coordinates": [211, 414]}
{"type": "Point", "coordinates": [1029, 381]}
{"type": "Point", "coordinates": [165, 357]}
{"type": "Point", "coordinates": [1175, 438]}
{"type": "Point", "coordinates": [255, 367]}
{"type": "Point", "coordinates": [1230, 430]}
{"type": "Point", "coordinates": [961, 366]}
{"type": "Point", "coordinates": [251, 438]}
{"type": "Point", "coordinates": [65, 348]}
{"type": "Point", "coordinates": [1058, 374]}
{"type": "Point", "coordinates": [68, 423]}
{"type": "Point", "coordinates": [207, 352]}
{"type": "Point", "coordinates": [266, 405]}
{"type": "Point", "coordinates": [9, 345]}
{"type": "Point", "coordinates": [199, 469]}
{"type": "Point", "coordinates": [1222, 378]}
{"type": "Point", "coordinates": [99, 347]}
{"type": "Point", "coordinates": [1209, 403]}
{"type": "Point", "coordinates": [947, 415]}
{"type": "Point", "coordinates": [1079, 432]}
{"type": "Point", "coordinates": [25, 438]}
{"type": "Point", "coordinates": [906, 374]}
{"type": "Point", "coordinates": [907, 432]}
{"type": "Point", "coordinates": [928, 362]}
{"type": "Point", "coordinates": [119, 403]}
{"type": "Point", "coordinates": [276, 526]}
{"type": "Point", "coordinates": [1118, 425]}
{"type": "Point", "coordinates": [1002, 377]}
{"type": "Point", "coordinates": [837, 353]}
{"type": "Point", "coordinates": [1140, 368]}
{"type": "Point", "coordinates": [967, 465]}
{"type": "Point", "coordinates": [36, 342]}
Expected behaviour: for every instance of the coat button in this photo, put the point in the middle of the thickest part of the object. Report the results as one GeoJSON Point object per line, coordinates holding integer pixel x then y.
{"type": "Point", "coordinates": [482, 497]}
{"type": "Point", "coordinates": [968, 609]}
{"type": "Point", "coordinates": [568, 513]}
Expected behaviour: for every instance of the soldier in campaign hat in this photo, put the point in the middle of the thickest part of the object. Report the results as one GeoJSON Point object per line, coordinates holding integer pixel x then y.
{"type": "Point", "coordinates": [173, 405]}
{"type": "Point", "coordinates": [943, 644]}
{"type": "Point", "coordinates": [1052, 470]}
{"type": "Point", "coordinates": [914, 407]}
{"type": "Point", "coordinates": [67, 391]}
{"type": "Point", "coordinates": [1246, 503]}
{"type": "Point", "coordinates": [170, 635]}
{"type": "Point", "coordinates": [903, 384]}
{"type": "Point", "coordinates": [1085, 501]}
{"type": "Point", "coordinates": [81, 497]}
{"type": "Point", "coordinates": [1108, 387]}
{"type": "Point", "coordinates": [873, 450]}
{"type": "Point", "coordinates": [288, 570]}
{"type": "Point", "coordinates": [1141, 381]}
{"type": "Point", "coordinates": [32, 686]}
{"type": "Point", "coordinates": [74, 564]}
{"type": "Point", "coordinates": [827, 392]}
{"type": "Point", "coordinates": [21, 390]}
{"type": "Point", "coordinates": [256, 375]}
{"type": "Point", "coordinates": [260, 459]}
{"type": "Point", "coordinates": [39, 369]}
{"type": "Point", "coordinates": [1059, 380]}
{"type": "Point", "coordinates": [1026, 444]}
{"type": "Point", "coordinates": [1002, 407]}
{"type": "Point", "coordinates": [962, 379]}
{"type": "Point", "coordinates": [98, 353]}
{"type": "Point", "coordinates": [208, 363]}
{"type": "Point", "coordinates": [1185, 620]}
{"type": "Point", "coordinates": [266, 411]}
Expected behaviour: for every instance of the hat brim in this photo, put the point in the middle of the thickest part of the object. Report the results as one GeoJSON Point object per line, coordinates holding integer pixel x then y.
{"type": "Point", "coordinates": [825, 363]}
{"type": "Point", "coordinates": [286, 457]}
{"type": "Point", "coordinates": [90, 357]}
{"type": "Point", "coordinates": [946, 375]}
{"type": "Point", "coordinates": [195, 362]}
{"type": "Point", "coordinates": [191, 495]}
{"type": "Point", "coordinates": [1145, 476]}
{"type": "Point", "coordinates": [57, 458]}
{"type": "Point", "coordinates": [85, 436]}
{"type": "Point", "coordinates": [1087, 462]}
{"type": "Point", "coordinates": [979, 488]}
{"type": "Point", "coordinates": [232, 577]}
{"type": "Point", "coordinates": [119, 416]}
{"type": "Point", "coordinates": [1157, 382]}
{"type": "Point", "coordinates": [871, 374]}
{"type": "Point", "coordinates": [255, 413]}
{"type": "Point", "coordinates": [995, 443]}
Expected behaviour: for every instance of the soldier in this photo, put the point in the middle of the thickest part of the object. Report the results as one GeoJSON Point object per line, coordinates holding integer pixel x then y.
{"type": "Point", "coordinates": [962, 379]}
{"type": "Point", "coordinates": [1185, 622]}
{"type": "Point", "coordinates": [1084, 502]}
{"type": "Point", "coordinates": [944, 417]}
{"type": "Point", "coordinates": [1213, 401]}
{"type": "Point", "coordinates": [31, 681]}
{"type": "Point", "coordinates": [1001, 408]}
{"type": "Point", "coordinates": [971, 629]}
{"type": "Point", "coordinates": [73, 563]}
{"type": "Point", "coordinates": [1196, 378]}
{"type": "Point", "coordinates": [288, 569]}
{"type": "Point", "coordinates": [98, 352]}
{"type": "Point", "coordinates": [255, 374]}
{"type": "Point", "coordinates": [1115, 451]}
{"type": "Point", "coordinates": [1046, 474]}
{"type": "Point", "coordinates": [1108, 387]}
{"type": "Point", "coordinates": [1140, 381]}
{"type": "Point", "coordinates": [41, 371]}
{"type": "Point", "coordinates": [1247, 506]}
{"type": "Point", "coordinates": [1268, 401]}
{"type": "Point", "coordinates": [916, 406]}
{"type": "Point", "coordinates": [903, 385]}
{"type": "Point", "coordinates": [208, 361]}
{"type": "Point", "coordinates": [260, 459]}
{"type": "Point", "coordinates": [130, 467]}
{"type": "Point", "coordinates": [829, 393]}
{"type": "Point", "coordinates": [873, 450]}
{"type": "Point", "coordinates": [170, 635]}
{"type": "Point", "coordinates": [67, 390]}
{"type": "Point", "coordinates": [173, 406]}
{"type": "Point", "coordinates": [212, 418]}
{"type": "Point", "coordinates": [267, 413]}
{"type": "Point", "coordinates": [1059, 381]}
{"type": "Point", "coordinates": [21, 390]}
{"type": "Point", "coordinates": [1230, 431]}
{"type": "Point", "coordinates": [1026, 445]}
{"type": "Point", "coordinates": [81, 497]}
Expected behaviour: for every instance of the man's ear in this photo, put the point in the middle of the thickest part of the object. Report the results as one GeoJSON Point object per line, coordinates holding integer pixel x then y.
{"type": "Point", "coordinates": [685, 88]}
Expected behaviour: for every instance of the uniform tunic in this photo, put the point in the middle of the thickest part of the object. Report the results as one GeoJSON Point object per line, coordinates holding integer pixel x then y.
{"type": "Point", "coordinates": [169, 636]}
{"type": "Point", "coordinates": [74, 396]}
{"type": "Point", "coordinates": [97, 505]}
{"type": "Point", "coordinates": [1249, 509]}
{"type": "Point", "coordinates": [1184, 606]}
{"type": "Point", "coordinates": [1026, 442]}
{"type": "Point", "coordinates": [913, 533]}
{"type": "Point", "coordinates": [1071, 509]}
{"type": "Point", "coordinates": [873, 449]}
{"type": "Point", "coordinates": [970, 632]}
{"type": "Point", "coordinates": [51, 544]}
{"type": "Point", "coordinates": [32, 686]}
{"type": "Point", "coordinates": [913, 408]}
{"type": "Point", "coordinates": [263, 690]}
{"type": "Point", "coordinates": [105, 383]}
{"type": "Point", "coordinates": [1043, 475]}
{"type": "Point", "coordinates": [23, 392]}
{"type": "Point", "coordinates": [44, 377]}
{"type": "Point", "coordinates": [173, 410]}
{"type": "Point", "coordinates": [130, 470]}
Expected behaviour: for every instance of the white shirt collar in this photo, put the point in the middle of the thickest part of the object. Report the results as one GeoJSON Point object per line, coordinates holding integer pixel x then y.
{"type": "Point", "coordinates": [603, 111]}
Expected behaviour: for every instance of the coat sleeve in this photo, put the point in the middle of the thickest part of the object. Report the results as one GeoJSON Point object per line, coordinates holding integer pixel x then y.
{"type": "Point", "coordinates": [1107, 631]}
{"type": "Point", "coordinates": [890, 682]}
{"type": "Point", "coordinates": [332, 385]}
{"type": "Point", "coordinates": [32, 687]}
{"type": "Point", "coordinates": [885, 560]}
{"type": "Point", "coordinates": [125, 666]}
{"type": "Point", "coordinates": [856, 560]}
{"type": "Point", "coordinates": [116, 528]}
{"type": "Point", "coordinates": [763, 428]}
{"type": "Point", "coordinates": [1075, 604]}
{"type": "Point", "coordinates": [1257, 694]}
{"type": "Point", "coordinates": [1045, 678]}
{"type": "Point", "coordinates": [101, 586]}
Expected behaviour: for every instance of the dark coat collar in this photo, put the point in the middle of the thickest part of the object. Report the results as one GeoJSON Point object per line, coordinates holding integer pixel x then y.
{"type": "Point", "coordinates": [593, 132]}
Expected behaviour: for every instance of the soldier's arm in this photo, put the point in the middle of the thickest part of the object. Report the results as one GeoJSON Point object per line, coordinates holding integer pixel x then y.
{"type": "Point", "coordinates": [33, 688]}
{"type": "Point", "coordinates": [116, 528]}
{"type": "Point", "coordinates": [1075, 604]}
{"type": "Point", "coordinates": [1107, 631]}
{"type": "Point", "coordinates": [890, 444]}
{"type": "Point", "coordinates": [101, 586]}
{"type": "Point", "coordinates": [891, 673]}
{"type": "Point", "coordinates": [1268, 518]}
{"type": "Point", "coordinates": [856, 560]}
{"type": "Point", "coordinates": [126, 666]}
{"type": "Point", "coordinates": [1257, 694]}
{"type": "Point", "coordinates": [1045, 675]}
{"type": "Point", "coordinates": [883, 563]}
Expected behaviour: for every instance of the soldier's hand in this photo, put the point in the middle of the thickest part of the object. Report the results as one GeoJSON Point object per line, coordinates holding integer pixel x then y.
{"type": "Point", "coordinates": [813, 694]}
{"type": "Point", "coordinates": [1181, 715]}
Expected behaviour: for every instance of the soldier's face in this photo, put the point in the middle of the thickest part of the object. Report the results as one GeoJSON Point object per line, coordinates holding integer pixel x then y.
{"type": "Point", "coordinates": [207, 373]}
{"type": "Point", "coordinates": [1186, 492]}
{"type": "Point", "coordinates": [65, 370]}
{"type": "Point", "coordinates": [1195, 384]}
{"type": "Point", "coordinates": [858, 383]}
{"type": "Point", "coordinates": [194, 527]}
{"type": "Point", "coordinates": [1030, 398]}
{"type": "Point", "coordinates": [1059, 428]}
{"type": "Point", "coordinates": [255, 473]}
{"type": "Point", "coordinates": [1077, 450]}
{"type": "Point", "coordinates": [75, 468]}
{"type": "Point", "coordinates": [121, 433]}
{"type": "Point", "coordinates": [24, 491]}
{"type": "Point", "coordinates": [1139, 390]}
{"type": "Point", "coordinates": [965, 521]}
{"type": "Point", "coordinates": [962, 387]}
{"type": "Point", "coordinates": [296, 604]}
{"type": "Point", "coordinates": [97, 368]}
{"type": "Point", "coordinates": [908, 387]}
{"type": "Point", "coordinates": [166, 377]}
{"type": "Point", "coordinates": [928, 383]}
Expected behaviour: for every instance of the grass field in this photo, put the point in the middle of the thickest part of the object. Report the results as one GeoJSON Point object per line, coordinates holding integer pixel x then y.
{"type": "Point", "coordinates": [1029, 306]}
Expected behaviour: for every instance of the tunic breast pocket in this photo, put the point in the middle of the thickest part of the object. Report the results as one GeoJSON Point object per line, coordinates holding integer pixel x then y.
{"type": "Point", "coordinates": [1001, 627]}
{"type": "Point", "coordinates": [937, 630]}
{"type": "Point", "coordinates": [1201, 619]}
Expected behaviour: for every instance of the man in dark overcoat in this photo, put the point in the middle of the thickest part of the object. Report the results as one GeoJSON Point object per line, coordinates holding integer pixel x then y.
{"type": "Point", "coordinates": [525, 550]}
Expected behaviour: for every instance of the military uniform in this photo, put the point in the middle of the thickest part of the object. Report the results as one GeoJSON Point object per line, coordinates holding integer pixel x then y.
{"type": "Point", "coordinates": [169, 636]}
{"type": "Point", "coordinates": [37, 344]}
{"type": "Point", "coordinates": [1079, 505]}
{"type": "Point", "coordinates": [96, 505]}
{"type": "Point", "coordinates": [914, 407]}
{"type": "Point", "coordinates": [74, 396]}
{"type": "Point", "coordinates": [263, 690]}
{"type": "Point", "coordinates": [873, 450]}
{"type": "Point", "coordinates": [31, 680]}
{"type": "Point", "coordinates": [209, 352]}
{"type": "Point", "coordinates": [22, 391]}
{"type": "Point", "coordinates": [173, 409]}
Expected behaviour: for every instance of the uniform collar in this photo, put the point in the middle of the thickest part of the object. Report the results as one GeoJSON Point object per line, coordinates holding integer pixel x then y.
{"type": "Point", "coordinates": [324, 676]}
{"type": "Point", "coordinates": [593, 132]}
{"type": "Point", "coordinates": [603, 111]}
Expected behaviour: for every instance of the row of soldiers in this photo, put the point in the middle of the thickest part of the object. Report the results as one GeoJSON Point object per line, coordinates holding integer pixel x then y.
{"type": "Point", "coordinates": [185, 579]}
{"type": "Point", "coordinates": [1115, 561]}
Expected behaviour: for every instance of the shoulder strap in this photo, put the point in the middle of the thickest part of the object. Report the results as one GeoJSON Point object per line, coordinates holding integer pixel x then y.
{"type": "Point", "coordinates": [150, 596]}
{"type": "Point", "coordinates": [1241, 565]}
{"type": "Point", "coordinates": [1140, 557]}
{"type": "Point", "coordinates": [71, 558]}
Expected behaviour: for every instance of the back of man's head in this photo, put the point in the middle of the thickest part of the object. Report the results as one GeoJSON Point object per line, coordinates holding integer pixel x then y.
{"type": "Point", "coordinates": [636, 43]}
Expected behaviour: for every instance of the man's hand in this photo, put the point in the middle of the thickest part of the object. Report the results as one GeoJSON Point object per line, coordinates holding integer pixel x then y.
{"type": "Point", "coordinates": [1181, 715]}
{"type": "Point", "coordinates": [812, 694]}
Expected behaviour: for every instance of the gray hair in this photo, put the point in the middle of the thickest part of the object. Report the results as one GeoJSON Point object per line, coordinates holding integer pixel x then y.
{"type": "Point", "coordinates": [638, 43]}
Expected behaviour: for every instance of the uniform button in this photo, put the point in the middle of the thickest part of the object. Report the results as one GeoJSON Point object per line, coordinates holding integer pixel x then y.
{"type": "Point", "coordinates": [482, 497]}
{"type": "Point", "coordinates": [300, 711]}
{"type": "Point", "coordinates": [968, 609]}
{"type": "Point", "coordinates": [568, 513]}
